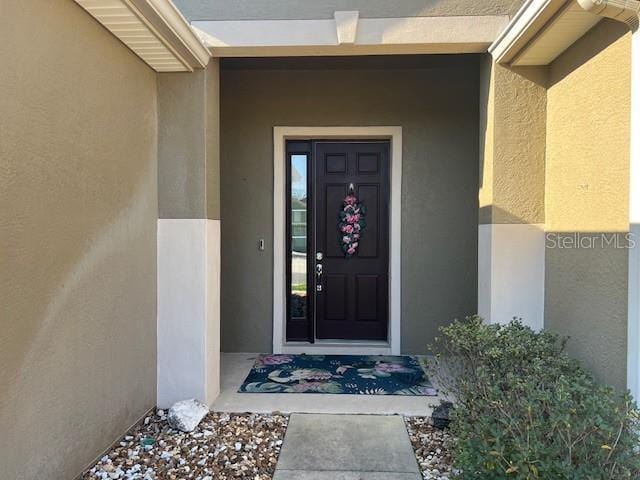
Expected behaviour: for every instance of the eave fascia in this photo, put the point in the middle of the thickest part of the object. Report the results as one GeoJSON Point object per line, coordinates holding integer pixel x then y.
{"type": "Point", "coordinates": [530, 20]}
{"type": "Point", "coordinates": [535, 16]}
{"type": "Point", "coordinates": [349, 34]}
{"type": "Point", "coordinates": [167, 13]}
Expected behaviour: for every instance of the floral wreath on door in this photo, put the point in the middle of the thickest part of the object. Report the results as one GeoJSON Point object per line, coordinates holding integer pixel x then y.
{"type": "Point", "coordinates": [351, 224]}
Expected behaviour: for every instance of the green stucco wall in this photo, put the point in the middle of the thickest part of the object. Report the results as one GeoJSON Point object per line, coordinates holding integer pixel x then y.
{"type": "Point", "coordinates": [434, 99]}
{"type": "Point", "coordinates": [188, 144]}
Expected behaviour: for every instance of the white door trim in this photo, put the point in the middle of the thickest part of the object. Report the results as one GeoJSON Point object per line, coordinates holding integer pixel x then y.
{"type": "Point", "coordinates": [280, 135]}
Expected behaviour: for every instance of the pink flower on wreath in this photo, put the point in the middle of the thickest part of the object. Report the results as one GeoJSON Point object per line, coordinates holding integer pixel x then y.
{"type": "Point", "coordinates": [347, 229]}
{"type": "Point", "coordinates": [356, 236]}
{"type": "Point", "coordinates": [348, 208]}
{"type": "Point", "coordinates": [346, 239]}
{"type": "Point", "coordinates": [356, 227]}
{"type": "Point", "coordinates": [351, 219]}
{"type": "Point", "coordinates": [351, 250]}
{"type": "Point", "coordinates": [350, 200]}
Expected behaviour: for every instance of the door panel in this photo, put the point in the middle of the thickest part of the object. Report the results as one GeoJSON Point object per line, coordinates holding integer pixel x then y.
{"type": "Point", "coordinates": [369, 195]}
{"type": "Point", "coordinates": [366, 289]}
{"type": "Point", "coordinates": [335, 292]}
{"type": "Point", "coordinates": [334, 194]}
{"type": "Point", "coordinates": [351, 294]}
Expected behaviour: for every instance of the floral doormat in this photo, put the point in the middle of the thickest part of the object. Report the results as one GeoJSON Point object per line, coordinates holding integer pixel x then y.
{"type": "Point", "coordinates": [349, 374]}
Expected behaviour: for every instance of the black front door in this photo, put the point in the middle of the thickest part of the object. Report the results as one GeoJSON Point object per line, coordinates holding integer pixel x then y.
{"type": "Point", "coordinates": [334, 292]}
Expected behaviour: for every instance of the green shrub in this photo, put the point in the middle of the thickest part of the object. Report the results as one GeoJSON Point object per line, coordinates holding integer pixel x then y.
{"type": "Point", "coordinates": [525, 410]}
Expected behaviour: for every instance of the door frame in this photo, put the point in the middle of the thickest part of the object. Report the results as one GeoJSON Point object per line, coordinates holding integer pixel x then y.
{"type": "Point", "coordinates": [280, 136]}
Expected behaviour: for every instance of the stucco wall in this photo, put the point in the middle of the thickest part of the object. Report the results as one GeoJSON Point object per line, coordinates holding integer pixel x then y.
{"type": "Point", "coordinates": [587, 173]}
{"type": "Point", "coordinates": [434, 99]}
{"type": "Point", "coordinates": [78, 209]}
{"type": "Point", "coordinates": [512, 143]}
{"type": "Point", "coordinates": [314, 9]}
{"type": "Point", "coordinates": [182, 190]}
{"type": "Point", "coordinates": [188, 144]}
{"type": "Point", "coordinates": [212, 143]}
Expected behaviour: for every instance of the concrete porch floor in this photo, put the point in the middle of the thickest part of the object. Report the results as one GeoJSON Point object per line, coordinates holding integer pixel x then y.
{"type": "Point", "coordinates": [234, 368]}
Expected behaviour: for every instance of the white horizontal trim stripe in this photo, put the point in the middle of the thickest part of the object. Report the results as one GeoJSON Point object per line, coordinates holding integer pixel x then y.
{"type": "Point", "coordinates": [511, 262]}
{"type": "Point", "coordinates": [188, 323]}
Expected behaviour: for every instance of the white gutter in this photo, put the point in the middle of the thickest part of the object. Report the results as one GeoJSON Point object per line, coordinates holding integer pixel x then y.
{"type": "Point", "coordinates": [629, 14]}
{"type": "Point", "coordinates": [625, 11]}
{"type": "Point", "coordinates": [172, 17]}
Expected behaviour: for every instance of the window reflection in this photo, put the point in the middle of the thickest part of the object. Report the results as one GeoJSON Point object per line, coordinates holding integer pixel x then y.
{"type": "Point", "coordinates": [299, 236]}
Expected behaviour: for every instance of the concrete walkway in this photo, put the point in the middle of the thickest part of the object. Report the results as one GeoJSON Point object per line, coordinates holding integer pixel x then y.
{"type": "Point", "coordinates": [346, 447]}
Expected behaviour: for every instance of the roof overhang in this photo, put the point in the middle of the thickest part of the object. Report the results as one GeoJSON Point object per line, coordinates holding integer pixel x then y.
{"type": "Point", "coordinates": [154, 30]}
{"type": "Point", "coordinates": [543, 29]}
{"type": "Point", "coordinates": [347, 34]}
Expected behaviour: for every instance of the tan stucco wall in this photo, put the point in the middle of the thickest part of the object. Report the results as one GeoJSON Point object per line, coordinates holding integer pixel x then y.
{"type": "Point", "coordinates": [588, 133]}
{"type": "Point", "coordinates": [587, 177]}
{"type": "Point", "coordinates": [188, 144]}
{"type": "Point", "coordinates": [434, 99]}
{"type": "Point", "coordinates": [315, 9]}
{"type": "Point", "coordinates": [78, 209]}
{"type": "Point", "coordinates": [512, 143]}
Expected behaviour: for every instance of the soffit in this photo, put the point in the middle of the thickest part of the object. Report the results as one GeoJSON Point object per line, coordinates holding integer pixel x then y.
{"type": "Point", "coordinates": [154, 30]}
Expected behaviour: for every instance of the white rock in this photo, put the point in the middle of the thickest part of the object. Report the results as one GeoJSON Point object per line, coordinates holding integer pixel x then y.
{"type": "Point", "coordinates": [187, 414]}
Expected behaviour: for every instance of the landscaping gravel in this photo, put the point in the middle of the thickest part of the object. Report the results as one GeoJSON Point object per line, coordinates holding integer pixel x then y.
{"type": "Point", "coordinates": [223, 446]}
{"type": "Point", "coordinates": [431, 447]}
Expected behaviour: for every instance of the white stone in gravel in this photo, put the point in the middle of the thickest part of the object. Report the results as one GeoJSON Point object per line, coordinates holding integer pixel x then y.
{"type": "Point", "coordinates": [187, 414]}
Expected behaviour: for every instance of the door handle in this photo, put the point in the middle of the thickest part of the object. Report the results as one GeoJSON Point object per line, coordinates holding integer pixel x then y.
{"type": "Point", "coordinates": [318, 277]}
{"type": "Point", "coordinates": [319, 258]}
